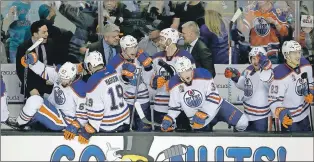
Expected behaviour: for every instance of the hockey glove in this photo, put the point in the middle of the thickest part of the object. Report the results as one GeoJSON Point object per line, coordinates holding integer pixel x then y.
{"type": "Point", "coordinates": [71, 130]}
{"type": "Point", "coordinates": [86, 133]}
{"type": "Point", "coordinates": [157, 82]}
{"type": "Point", "coordinates": [166, 124]}
{"type": "Point", "coordinates": [308, 98]}
{"type": "Point", "coordinates": [145, 60]}
{"type": "Point", "coordinates": [284, 116]}
{"type": "Point", "coordinates": [128, 71]}
{"type": "Point", "coordinates": [32, 58]}
{"type": "Point", "coordinates": [264, 62]}
{"type": "Point", "coordinates": [199, 120]}
{"type": "Point", "coordinates": [232, 73]}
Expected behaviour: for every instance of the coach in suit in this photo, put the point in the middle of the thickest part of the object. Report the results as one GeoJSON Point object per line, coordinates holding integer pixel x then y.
{"type": "Point", "coordinates": [200, 52]}
{"type": "Point", "coordinates": [35, 84]}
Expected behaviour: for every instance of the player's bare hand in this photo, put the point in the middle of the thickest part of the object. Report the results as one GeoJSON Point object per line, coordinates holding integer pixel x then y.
{"type": "Point", "coordinates": [83, 50]}
{"type": "Point", "coordinates": [34, 92]}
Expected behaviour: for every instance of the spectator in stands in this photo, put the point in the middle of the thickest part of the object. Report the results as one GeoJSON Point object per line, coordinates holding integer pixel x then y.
{"type": "Point", "coordinates": [150, 44]}
{"type": "Point", "coordinates": [266, 24]}
{"type": "Point", "coordinates": [200, 52]}
{"type": "Point", "coordinates": [215, 34]}
{"type": "Point", "coordinates": [108, 45]}
{"type": "Point", "coordinates": [3, 55]}
{"type": "Point", "coordinates": [60, 37]}
{"type": "Point", "coordinates": [35, 84]}
{"type": "Point", "coordinates": [19, 29]}
{"type": "Point", "coordinates": [188, 11]}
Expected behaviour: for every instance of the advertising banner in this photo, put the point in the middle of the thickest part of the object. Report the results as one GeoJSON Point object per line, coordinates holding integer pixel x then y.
{"type": "Point", "coordinates": [157, 148]}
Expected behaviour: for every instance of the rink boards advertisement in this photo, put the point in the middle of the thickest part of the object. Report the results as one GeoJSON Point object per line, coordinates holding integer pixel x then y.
{"type": "Point", "coordinates": [157, 148]}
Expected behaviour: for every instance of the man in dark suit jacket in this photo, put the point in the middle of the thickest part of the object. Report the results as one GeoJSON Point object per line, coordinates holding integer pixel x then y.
{"type": "Point", "coordinates": [35, 84]}
{"type": "Point", "coordinates": [200, 52]}
{"type": "Point", "coordinates": [108, 46]}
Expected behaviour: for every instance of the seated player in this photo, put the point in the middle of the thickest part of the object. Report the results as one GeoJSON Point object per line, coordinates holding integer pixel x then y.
{"type": "Point", "coordinates": [291, 91]}
{"type": "Point", "coordinates": [127, 67]}
{"type": "Point", "coordinates": [64, 106]}
{"type": "Point", "coordinates": [193, 91]}
{"type": "Point", "coordinates": [255, 81]}
{"type": "Point", "coordinates": [107, 111]}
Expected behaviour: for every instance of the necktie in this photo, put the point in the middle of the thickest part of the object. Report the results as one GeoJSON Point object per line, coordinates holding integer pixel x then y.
{"type": "Point", "coordinates": [188, 48]}
{"type": "Point", "coordinates": [110, 53]}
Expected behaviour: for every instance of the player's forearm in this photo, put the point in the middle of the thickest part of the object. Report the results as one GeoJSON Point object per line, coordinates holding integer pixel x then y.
{"type": "Point", "coordinates": [45, 72]}
{"type": "Point", "coordinates": [174, 112]}
{"type": "Point", "coordinates": [240, 83]}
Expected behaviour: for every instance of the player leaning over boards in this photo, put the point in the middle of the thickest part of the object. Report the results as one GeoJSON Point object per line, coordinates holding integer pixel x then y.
{"type": "Point", "coordinates": [127, 67]}
{"type": "Point", "coordinates": [64, 106]}
{"type": "Point", "coordinates": [291, 91]}
{"type": "Point", "coordinates": [106, 108]}
{"type": "Point", "coordinates": [255, 81]}
{"type": "Point", "coordinates": [194, 92]}
{"type": "Point", "coordinates": [160, 68]}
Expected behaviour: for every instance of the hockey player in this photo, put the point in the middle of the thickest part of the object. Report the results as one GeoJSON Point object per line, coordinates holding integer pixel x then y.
{"type": "Point", "coordinates": [291, 91]}
{"type": "Point", "coordinates": [107, 111]}
{"type": "Point", "coordinates": [64, 106]}
{"type": "Point", "coordinates": [127, 68]}
{"type": "Point", "coordinates": [194, 92]}
{"type": "Point", "coordinates": [255, 81]}
{"type": "Point", "coordinates": [160, 68]}
{"type": "Point", "coordinates": [4, 105]}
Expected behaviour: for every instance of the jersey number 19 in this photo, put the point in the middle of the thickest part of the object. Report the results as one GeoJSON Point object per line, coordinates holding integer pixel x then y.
{"type": "Point", "coordinates": [116, 95]}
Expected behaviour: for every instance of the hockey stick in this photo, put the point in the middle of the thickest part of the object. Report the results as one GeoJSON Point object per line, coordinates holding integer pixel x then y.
{"type": "Point", "coordinates": [140, 112]}
{"type": "Point", "coordinates": [166, 66]}
{"type": "Point", "coordinates": [135, 97]}
{"type": "Point", "coordinates": [304, 76]}
{"type": "Point", "coordinates": [36, 44]}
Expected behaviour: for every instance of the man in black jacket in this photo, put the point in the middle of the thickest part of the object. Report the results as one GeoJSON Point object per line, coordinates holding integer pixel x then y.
{"type": "Point", "coordinates": [35, 84]}
{"type": "Point", "coordinates": [202, 55]}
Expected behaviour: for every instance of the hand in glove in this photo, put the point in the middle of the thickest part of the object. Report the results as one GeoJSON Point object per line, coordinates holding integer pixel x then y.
{"type": "Point", "coordinates": [264, 62]}
{"type": "Point", "coordinates": [167, 124]}
{"type": "Point", "coordinates": [232, 73]}
{"type": "Point", "coordinates": [144, 59]}
{"type": "Point", "coordinates": [199, 120]}
{"type": "Point", "coordinates": [71, 130]}
{"type": "Point", "coordinates": [284, 115]}
{"type": "Point", "coordinates": [308, 98]}
{"type": "Point", "coordinates": [86, 133]}
{"type": "Point", "coordinates": [32, 58]}
{"type": "Point", "coordinates": [158, 81]}
{"type": "Point", "coordinates": [128, 71]}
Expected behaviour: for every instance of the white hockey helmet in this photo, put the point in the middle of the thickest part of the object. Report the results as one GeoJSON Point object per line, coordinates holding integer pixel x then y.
{"type": "Point", "coordinates": [290, 46]}
{"type": "Point", "coordinates": [67, 72]}
{"type": "Point", "coordinates": [257, 51]}
{"type": "Point", "coordinates": [183, 64]}
{"type": "Point", "coordinates": [128, 41]}
{"type": "Point", "coordinates": [93, 58]}
{"type": "Point", "coordinates": [170, 33]}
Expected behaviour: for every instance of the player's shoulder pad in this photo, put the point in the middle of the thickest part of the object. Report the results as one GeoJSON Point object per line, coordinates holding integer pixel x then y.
{"type": "Point", "coordinates": [79, 87]}
{"type": "Point", "coordinates": [174, 81]}
{"type": "Point", "coordinates": [281, 71]}
{"type": "Point", "coordinates": [201, 73]}
{"type": "Point", "coordinates": [304, 62]}
{"type": "Point", "coordinates": [97, 77]}
{"type": "Point", "coordinates": [158, 54]}
{"type": "Point", "coordinates": [116, 61]}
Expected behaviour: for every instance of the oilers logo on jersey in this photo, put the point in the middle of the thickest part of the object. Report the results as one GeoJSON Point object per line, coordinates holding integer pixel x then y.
{"type": "Point", "coordinates": [261, 26]}
{"type": "Point", "coordinates": [193, 98]}
{"type": "Point", "coordinates": [163, 72]}
{"type": "Point", "coordinates": [300, 87]}
{"type": "Point", "coordinates": [248, 87]}
{"type": "Point", "coordinates": [59, 96]}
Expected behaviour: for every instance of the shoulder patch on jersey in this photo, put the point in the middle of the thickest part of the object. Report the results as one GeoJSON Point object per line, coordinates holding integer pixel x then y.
{"type": "Point", "coordinates": [201, 73]}
{"type": "Point", "coordinates": [96, 78]}
{"type": "Point", "coordinates": [175, 80]}
{"type": "Point", "coordinates": [281, 71]}
{"type": "Point", "coordinates": [158, 54]}
{"type": "Point", "coordinates": [79, 87]}
{"type": "Point", "coordinates": [116, 61]}
{"type": "Point", "coordinates": [304, 62]}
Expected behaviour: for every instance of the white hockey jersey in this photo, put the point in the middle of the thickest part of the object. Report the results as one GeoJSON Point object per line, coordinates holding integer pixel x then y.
{"type": "Point", "coordinates": [255, 100]}
{"type": "Point", "coordinates": [288, 88]}
{"type": "Point", "coordinates": [105, 105]}
{"type": "Point", "coordinates": [201, 95]}
{"type": "Point", "coordinates": [4, 103]}
{"type": "Point", "coordinates": [70, 100]}
{"type": "Point", "coordinates": [129, 87]}
{"type": "Point", "coordinates": [161, 98]}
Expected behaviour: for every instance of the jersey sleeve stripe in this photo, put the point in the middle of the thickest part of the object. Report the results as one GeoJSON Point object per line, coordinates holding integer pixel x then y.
{"type": "Point", "coordinates": [127, 113]}
{"type": "Point", "coordinates": [175, 108]}
{"type": "Point", "coordinates": [93, 111]}
{"type": "Point", "coordinates": [213, 101]}
{"type": "Point", "coordinates": [112, 124]}
{"type": "Point", "coordinates": [112, 116]}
